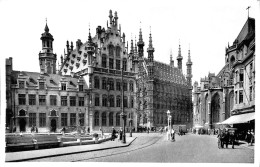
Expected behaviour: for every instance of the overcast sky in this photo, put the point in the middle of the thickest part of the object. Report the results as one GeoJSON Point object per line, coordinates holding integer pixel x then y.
{"type": "Point", "coordinates": [207, 26]}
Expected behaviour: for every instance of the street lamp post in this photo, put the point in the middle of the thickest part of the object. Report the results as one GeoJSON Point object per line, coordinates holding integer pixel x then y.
{"type": "Point", "coordinates": [123, 115]}
{"type": "Point", "coordinates": [130, 120]}
{"type": "Point", "coordinates": [169, 126]}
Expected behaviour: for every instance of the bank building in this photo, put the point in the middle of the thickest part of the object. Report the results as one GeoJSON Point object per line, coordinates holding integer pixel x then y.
{"type": "Point", "coordinates": [95, 80]}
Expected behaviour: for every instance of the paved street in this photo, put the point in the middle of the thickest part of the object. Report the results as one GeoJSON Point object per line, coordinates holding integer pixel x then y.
{"type": "Point", "coordinates": [154, 147]}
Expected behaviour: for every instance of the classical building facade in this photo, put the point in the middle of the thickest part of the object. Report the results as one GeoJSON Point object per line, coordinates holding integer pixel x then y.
{"type": "Point", "coordinates": [86, 88]}
{"type": "Point", "coordinates": [229, 97]}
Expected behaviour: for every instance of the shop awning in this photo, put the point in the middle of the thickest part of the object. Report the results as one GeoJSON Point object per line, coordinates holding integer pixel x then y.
{"type": "Point", "coordinates": [238, 119]}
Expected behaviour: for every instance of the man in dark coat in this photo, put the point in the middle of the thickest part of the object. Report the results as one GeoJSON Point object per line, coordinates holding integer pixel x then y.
{"type": "Point", "coordinates": [232, 139]}
{"type": "Point", "coordinates": [113, 135]}
{"type": "Point", "coordinates": [226, 138]}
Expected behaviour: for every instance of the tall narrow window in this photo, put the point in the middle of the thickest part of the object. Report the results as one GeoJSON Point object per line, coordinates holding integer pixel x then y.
{"type": "Point", "coordinates": [104, 119]}
{"type": "Point", "coordinates": [96, 119]}
{"type": "Point", "coordinates": [32, 99]}
{"type": "Point", "coordinates": [32, 119]}
{"type": "Point", "coordinates": [42, 100]}
{"type": "Point", "coordinates": [124, 65]}
{"type": "Point", "coordinates": [118, 101]}
{"type": "Point", "coordinates": [118, 85]}
{"type": "Point", "coordinates": [118, 51]}
{"type": "Point", "coordinates": [64, 101]}
{"type": "Point", "coordinates": [42, 119]}
{"type": "Point", "coordinates": [111, 63]}
{"type": "Point", "coordinates": [81, 101]}
{"type": "Point", "coordinates": [53, 100]}
{"type": "Point", "coordinates": [131, 86]}
{"type": "Point", "coordinates": [117, 119]}
{"type": "Point", "coordinates": [125, 101]}
{"type": "Point", "coordinates": [240, 96]}
{"type": "Point", "coordinates": [111, 50]}
{"type": "Point", "coordinates": [111, 119]}
{"type": "Point", "coordinates": [111, 100]}
{"type": "Point", "coordinates": [21, 99]}
{"type": "Point", "coordinates": [125, 86]}
{"type": "Point", "coordinates": [111, 84]}
{"type": "Point", "coordinates": [132, 102]}
{"type": "Point", "coordinates": [96, 100]}
{"type": "Point", "coordinates": [104, 61]}
{"type": "Point", "coordinates": [63, 86]}
{"type": "Point", "coordinates": [96, 80]}
{"type": "Point", "coordinates": [81, 88]}
{"type": "Point", "coordinates": [118, 64]}
{"type": "Point", "coordinates": [104, 83]}
{"type": "Point", "coordinates": [72, 119]}
{"type": "Point", "coordinates": [104, 100]}
{"type": "Point", "coordinates": [72, 100]}
{"type": "Point", "coordinates": [64, 119]}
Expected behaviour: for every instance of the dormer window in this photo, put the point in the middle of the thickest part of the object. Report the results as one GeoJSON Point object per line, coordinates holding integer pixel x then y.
{"type": "Point", "coordinates": [73, 55]}
{"type": "Point", "coordinates": [21, 84]}
{"type": "Point", "coordinates": [81, 88]}
{"type": "Point", "coordinates": [63, 86]}
{"type": "Point", "coordinates": [41, 85]}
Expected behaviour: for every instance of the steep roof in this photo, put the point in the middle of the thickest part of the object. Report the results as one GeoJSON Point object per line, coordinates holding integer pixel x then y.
{"type": "Point", "coordinates": [247, 30]}
{"type": "Point", "coordinates": [165, 72]}
{"type": "Point", "coordinates": [52, 80]}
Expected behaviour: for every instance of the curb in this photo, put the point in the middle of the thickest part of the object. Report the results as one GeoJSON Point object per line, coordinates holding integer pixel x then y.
{"type": "Point", "coordinates": [76, 152]}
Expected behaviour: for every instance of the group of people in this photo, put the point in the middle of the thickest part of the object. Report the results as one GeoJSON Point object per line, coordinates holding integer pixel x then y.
{"type": "Point", "coordinates": [34, 129]}
{"type": "Point", "coordinates": [250, 137]}
{"type": "Point", "coordinates": [224, 138]}
{"type": "Point", "coordinates": [114, 132]}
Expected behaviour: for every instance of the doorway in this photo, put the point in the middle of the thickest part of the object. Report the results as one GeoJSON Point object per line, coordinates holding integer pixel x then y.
{"type": "Point", "coordinates": [53, 125]}
{"type": "Point", "coordinates": [22, 124]}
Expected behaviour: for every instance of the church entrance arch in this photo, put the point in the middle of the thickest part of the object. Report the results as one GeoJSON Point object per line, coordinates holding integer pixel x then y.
{"type": "Point", "coordinates": [53, 125]}
{"type": "Point", "coordinates": [22, 124]}
{"type": "Point", "coordinates": [215, 109]}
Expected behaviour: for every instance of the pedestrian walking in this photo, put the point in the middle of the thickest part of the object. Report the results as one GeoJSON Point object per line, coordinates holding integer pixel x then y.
{"type": "Point", "coordinates": [113, 135]}
{"type": "Point", "coordinates": [172, 135]}
{"type": "Point", "coordinates": [252, 137]}
{"type": "Point", "coordinates": [232, 139]}
{"type": "Point", "coordinates": [120, 132]}
{"type": "Point", "coordinates": [222, 138]}
{"type": "Point", "coordinates": [226, 139]}
{"type": "Point", "coordinates": [248, 137]}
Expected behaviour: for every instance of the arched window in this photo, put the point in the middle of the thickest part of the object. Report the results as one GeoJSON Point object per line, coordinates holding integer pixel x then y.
{"type": "Point", "coordinates": [118, 51]}
{"type": "Point", "coordinates": [111, 50]}
{"type": "Point", "coordinates": [111, 100]}
{"type": "Point", "coordinates": [124, 64]}
{"type": "Point", "coordinates": [132, 102]}
{"type": "Point", "coordinates": [111, 119]}
{"type": "Point", "coordinates": [104, 100]}
{"type": "Point", "coordinates": [96, 99]}
{"type": "Point", "coordinates": [104, 119]}
{"type": "Point", "coordinates": [22, 112]}
{"type": "Point", "coordinates": [104, 83]}
{"type": "Point", "coordinates": [104, 61]}
{"type": "Point", "coordinates": [125, 101]}
{"type": "Point", "coordinates": [96, 119]}
{"type": "Point", "coordinates": [96, 80]}
{"type": "Point", "coordinates": [111, 84]}
{"type": "Point", "coordinates": [118, 101]}
{"type": "Point", "coordinates": [117, 119]}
